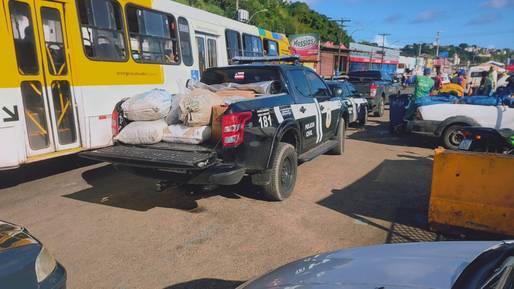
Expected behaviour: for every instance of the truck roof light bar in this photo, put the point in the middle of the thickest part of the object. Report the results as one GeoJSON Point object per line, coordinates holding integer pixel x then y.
{"type": "Point", "coordinates": [251, 59]}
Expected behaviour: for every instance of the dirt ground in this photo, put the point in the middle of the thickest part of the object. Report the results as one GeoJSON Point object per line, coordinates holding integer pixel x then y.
{"type": "Point", "coordinates": [111, 229]}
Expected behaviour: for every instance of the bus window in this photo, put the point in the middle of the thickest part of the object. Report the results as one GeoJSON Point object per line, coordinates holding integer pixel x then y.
{"type": "Point", "coordinates": [153, 36]}
{"type": "Point", "coordinates": [233, 44]}
{"type": "Point", "coordinates": [270, 47]}
{"type": "Point", "coordinates": [185, 41]}
{"type": "Point", "coordinates": [252, 45]}
{"type": "Point", "coordinates": [102, 30]}
{"type": "Point", "coordinates": [54, 43]}
{"type": "Point", "coordinates": [212, 52]}
{"type": "Point", "coordinates": [200, 42]}
{"type": "Point", "coordinates": [24, 42]}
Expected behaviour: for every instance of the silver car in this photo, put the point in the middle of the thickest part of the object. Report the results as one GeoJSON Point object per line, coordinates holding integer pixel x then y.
{"type": "Point", "coordinates": [441, 265]}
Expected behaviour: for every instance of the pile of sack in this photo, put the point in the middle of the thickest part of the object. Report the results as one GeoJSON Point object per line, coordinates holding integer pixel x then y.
{"type": "Point", "coordinates": [193, 117]}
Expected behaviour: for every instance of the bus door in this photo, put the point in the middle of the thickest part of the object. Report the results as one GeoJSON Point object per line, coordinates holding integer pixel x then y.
{"type": "Point", "coordinates": [43, 66]}
{"type": "Point", "coordinates": [207, 51]}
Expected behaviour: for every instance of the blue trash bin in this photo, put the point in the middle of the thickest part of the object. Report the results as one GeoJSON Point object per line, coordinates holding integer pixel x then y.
{"type": "Point", "coordinates": [397, 104]}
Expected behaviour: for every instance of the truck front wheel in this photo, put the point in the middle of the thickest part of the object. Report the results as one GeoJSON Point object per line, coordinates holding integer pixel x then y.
{"type": "Point", "coordinates": [282, 173]}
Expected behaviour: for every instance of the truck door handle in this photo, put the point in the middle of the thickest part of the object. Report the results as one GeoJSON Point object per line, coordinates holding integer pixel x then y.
{"type": "Point", "coordinates": [302, 109]}
{"type": "Point", "coordinates": [322, 107]}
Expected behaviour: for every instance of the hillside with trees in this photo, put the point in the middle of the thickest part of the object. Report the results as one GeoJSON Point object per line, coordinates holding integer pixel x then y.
{"type": "Point", "coordinates": [466, 52]}
{"type": "Point", "coordinates": [278, 16]}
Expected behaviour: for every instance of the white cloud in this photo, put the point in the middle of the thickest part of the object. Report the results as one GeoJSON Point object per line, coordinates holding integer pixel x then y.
{"type": "Point", "coordinates": [497, 3]}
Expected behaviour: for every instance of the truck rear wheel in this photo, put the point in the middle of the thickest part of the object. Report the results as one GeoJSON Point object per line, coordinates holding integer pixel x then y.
{"type": "Point", "coordinates": [282, 173]}
{"type": "Point", "coordinates": [453, 136]}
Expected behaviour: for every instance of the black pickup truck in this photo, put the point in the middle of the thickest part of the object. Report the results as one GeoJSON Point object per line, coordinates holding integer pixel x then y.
{"type": "Point", "coordinates": [376, 86]}
{"type": "Point", "coordinates": [264, 137]}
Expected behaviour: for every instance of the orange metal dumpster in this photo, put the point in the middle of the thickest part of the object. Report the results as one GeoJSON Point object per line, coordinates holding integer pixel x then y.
{"type": "Point", "coordinates": [473, 191]}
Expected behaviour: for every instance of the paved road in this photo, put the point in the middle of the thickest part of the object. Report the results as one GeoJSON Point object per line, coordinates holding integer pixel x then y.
{"type": "Point", "coordinates": [113, 230]}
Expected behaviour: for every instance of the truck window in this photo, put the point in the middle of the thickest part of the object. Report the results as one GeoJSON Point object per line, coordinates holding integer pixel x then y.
{"type": "Point", "coordinates": [252, 45]}
{"type": "Point", "coordinates": [185, 41]}
{"type": "Point", "coordinates": [318, 87]}
{"type": "Point", "coordinates": [102, 30]}
{"type": "Point", "coordinates": [153, 36]}
{"type": "Point", "coordinates": [300, 82]}
{"type": "Point", "coordinates": [241, 75]}
{"type": "Point", "coordinates": [24, 42]}
{"type": "Point", "coordinates": [233, 43]}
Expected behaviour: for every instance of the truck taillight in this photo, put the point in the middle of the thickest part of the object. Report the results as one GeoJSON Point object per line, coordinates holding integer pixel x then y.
{"type": "Point", "coordinates": [115, 125]}
{"type": "Point", "coordinates": [233, 128]}
{"type": "Point", "coordinates": [373, 90]}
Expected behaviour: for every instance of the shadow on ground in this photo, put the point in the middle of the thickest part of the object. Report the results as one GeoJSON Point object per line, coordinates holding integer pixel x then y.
{"type": "Point", "coordinates": [398, 192]}
{"type": "Point", "coordinates": [41, 169]}
{"type": "Point", "coordinates": [121, 189]}
{"type": "Point", "coordinates": [207, 284]}
{"type": "Point", "coordinates": [377, 131]}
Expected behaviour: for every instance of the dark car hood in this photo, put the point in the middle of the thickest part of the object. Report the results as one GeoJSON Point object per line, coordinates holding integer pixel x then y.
{"type": "Point", "coordinates": [415, 265]}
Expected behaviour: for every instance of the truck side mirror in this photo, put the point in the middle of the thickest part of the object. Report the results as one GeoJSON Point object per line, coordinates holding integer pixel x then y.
{"type": "Point", "coordinates": [338, 91]}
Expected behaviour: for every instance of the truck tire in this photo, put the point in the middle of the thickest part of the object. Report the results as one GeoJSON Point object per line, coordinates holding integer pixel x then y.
{"type": "Point", "coordinates": [379, 110]}
{"type": "Point", "coordinates": [282, 173]}
{"type": "Point", "coordinates": [452, 136]}
{"type": "Point", "coordinates": [363, 118]}
{"type": "Point", "coordinates": [340, 138]}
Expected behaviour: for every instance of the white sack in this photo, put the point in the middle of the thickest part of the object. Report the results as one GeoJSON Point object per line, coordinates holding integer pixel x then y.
{"type": "Point", "coordinates": [196, 107]}
{"type": "Point", "coordinates": [142, 132]}
{"type": "Point", "coordinates": [174, 116]}
{"type": "Point", "coordinates": [179, 133]}
{"type": "Point", "coordinates": [151, 105]}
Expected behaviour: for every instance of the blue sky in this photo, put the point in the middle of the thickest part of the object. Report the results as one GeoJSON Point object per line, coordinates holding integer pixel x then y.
{"type": "Point", "coordinates": [488, 23]}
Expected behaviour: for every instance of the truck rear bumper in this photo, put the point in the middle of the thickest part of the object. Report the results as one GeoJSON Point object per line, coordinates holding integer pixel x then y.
{"type": "Point", "coordinates": [189, 164]}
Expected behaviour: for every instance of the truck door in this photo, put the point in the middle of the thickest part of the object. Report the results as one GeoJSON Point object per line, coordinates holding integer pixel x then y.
{"type": "Point", "coordinates": [305, 109]}
{"type": "Point", "coordinates": [40, 43]}
{"type": "Point", "coordinates": [328, 108]}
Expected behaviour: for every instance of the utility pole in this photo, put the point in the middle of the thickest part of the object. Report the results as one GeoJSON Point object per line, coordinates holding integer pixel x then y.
{"type": "Point", "coordinates": [383, 47]}
{"type": "Point", "coordinates": [237, 5]}
{"type": "Point", "coordinates": [437, 37]}
{"type": "Point", "coordinates": [341, 23]}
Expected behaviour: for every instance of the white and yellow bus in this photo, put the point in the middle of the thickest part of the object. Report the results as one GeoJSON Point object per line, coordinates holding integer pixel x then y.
{"type": "Point", "coordinates": [66, 63]}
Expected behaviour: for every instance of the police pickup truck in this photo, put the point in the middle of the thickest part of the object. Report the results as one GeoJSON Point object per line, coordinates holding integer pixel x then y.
{"type": "Point", "coordinates": [264, 138]}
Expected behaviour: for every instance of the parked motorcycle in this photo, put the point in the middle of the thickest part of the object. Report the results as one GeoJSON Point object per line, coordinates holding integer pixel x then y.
{"type": "Point", "coordinates": [483, 139]}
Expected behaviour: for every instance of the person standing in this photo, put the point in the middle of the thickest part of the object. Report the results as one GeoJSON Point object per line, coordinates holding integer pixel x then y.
{"type": "Point", "coordinates": [423, 86]}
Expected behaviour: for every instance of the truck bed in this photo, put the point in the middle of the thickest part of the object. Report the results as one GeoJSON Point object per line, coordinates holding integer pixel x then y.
{"type": "Point", "coordinates": [159, 156]}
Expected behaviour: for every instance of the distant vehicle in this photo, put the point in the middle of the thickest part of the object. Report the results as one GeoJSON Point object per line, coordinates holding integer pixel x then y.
{"type": "Point", "coordinates": [377, 87]}
{"type": "Point", "coordinates": [439, 265]}
{"type": "Point", "coordinates": [262, 137]}
{"type": "Point", "coordinates": [447, 120]}
{"type": "Point", "coordinates": [490, 140]}
{"type": "Point", "coordinates": [355, 101]}
{"type": "Point", "coordinates": [25, 263]}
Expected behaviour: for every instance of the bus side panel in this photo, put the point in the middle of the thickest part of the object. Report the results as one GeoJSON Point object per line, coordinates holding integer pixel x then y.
{"type": "Point", "coordinates": [12, 124]}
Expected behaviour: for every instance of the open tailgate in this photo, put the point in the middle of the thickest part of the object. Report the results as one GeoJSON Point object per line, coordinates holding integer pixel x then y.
{"type": "Point", "coordinates": [158, 156]}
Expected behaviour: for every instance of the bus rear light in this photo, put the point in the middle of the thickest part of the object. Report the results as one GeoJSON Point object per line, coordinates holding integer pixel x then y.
{"type": "Point", "coordinates": [373, 90]}
{"type": "Point", "coordinates": [233, 128]}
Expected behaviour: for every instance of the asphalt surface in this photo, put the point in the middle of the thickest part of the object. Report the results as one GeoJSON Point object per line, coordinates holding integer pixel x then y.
{"type": "Point", "coordinates": [111, 229]}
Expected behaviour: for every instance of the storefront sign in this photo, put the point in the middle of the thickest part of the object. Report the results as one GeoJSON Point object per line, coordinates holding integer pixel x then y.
{"type": "Point", "coordinates": [305, 45]}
